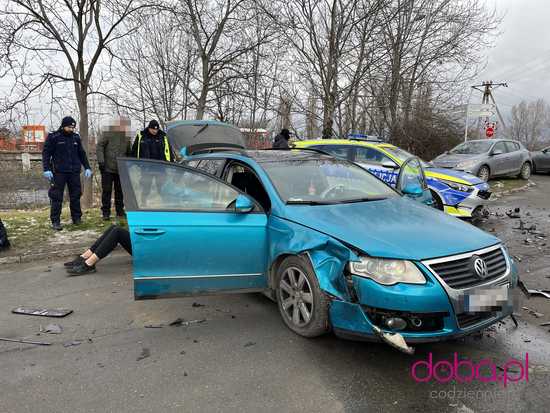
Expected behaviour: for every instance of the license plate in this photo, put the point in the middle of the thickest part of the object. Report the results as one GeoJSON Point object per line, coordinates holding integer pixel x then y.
{"type": "Point", "coordinates": [487, 299]}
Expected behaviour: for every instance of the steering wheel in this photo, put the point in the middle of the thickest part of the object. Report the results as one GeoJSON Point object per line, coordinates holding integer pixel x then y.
{"type": "Point", "coordinates": [336, 188]}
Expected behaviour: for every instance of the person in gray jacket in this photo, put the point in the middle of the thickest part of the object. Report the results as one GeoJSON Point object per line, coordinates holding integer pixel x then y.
{"type": "Point", "coordinates": [113, 143]}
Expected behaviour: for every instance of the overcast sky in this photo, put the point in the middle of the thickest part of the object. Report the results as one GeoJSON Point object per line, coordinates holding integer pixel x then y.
{"type": "Point", "coordinates": [521, 56]}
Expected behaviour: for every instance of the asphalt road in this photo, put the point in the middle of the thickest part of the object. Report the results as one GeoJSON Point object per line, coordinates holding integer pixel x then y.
{"type": "Point", "coordinates": [242, 358]}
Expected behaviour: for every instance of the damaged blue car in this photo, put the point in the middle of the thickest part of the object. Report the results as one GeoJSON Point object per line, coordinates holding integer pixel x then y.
{"type": "Point", "coordinates": [337, 248]}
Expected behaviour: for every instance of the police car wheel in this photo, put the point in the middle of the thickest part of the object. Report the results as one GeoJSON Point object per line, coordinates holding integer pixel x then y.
{"type": "Point", "coordinates": [302, 304]}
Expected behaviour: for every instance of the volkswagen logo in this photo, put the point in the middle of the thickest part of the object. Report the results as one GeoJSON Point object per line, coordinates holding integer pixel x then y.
{"type": "Point", "coordinates": [480, 267]}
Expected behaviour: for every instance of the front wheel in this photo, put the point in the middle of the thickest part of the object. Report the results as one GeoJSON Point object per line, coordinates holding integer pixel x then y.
{"type": "Point", "coordinates": [525, 171]}
{"type": "Point", "coordinates": [484, 173]}
{"type": "Point", "coordinates": [302, 304]}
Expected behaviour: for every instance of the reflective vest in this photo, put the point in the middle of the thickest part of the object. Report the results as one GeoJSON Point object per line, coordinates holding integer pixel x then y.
{"type": "Point", "coordinates": [166, 146]}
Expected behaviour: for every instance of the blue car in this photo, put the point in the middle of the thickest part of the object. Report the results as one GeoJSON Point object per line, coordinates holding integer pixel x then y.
{"type": "Point", "coordinates": [337, 249]}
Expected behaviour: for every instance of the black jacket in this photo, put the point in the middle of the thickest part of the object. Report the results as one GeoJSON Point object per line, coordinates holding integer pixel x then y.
{"type": "Point", "coordinates": [152, 147]}
{"type": "Point", "coordinates": [64, 153]}
{"type": "Point", "coordinates": [281, 142]}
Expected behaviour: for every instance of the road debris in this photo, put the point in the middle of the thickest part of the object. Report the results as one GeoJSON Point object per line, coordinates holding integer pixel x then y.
{"type": "Point", "coordinates": [544, 293]}
{"type": "Point", "coordinates": [52, 329]}
{"type": "Point", "coordinates": [249, 344]}
{"type": "Point", "coordinates": [547, 323]}
{"type": "Point", "coordinates": [17, 340]}
{"type": "Point", "coordinates": [513, 214]}
{"type": "Point", "coordinates": [533, 312]}
{"type": "Point", "coordinates": [154, 326]}
{"type": "Point", "coordinates": [198, 305]}
{"type": "Point", "coordinates": [72, 343]}
{"type": "Point", "coordinates": [145, 352]}
{"type": "Point", "coordinates": [395, 340]}
{"type": "Point", "coordinates": [44, 312]}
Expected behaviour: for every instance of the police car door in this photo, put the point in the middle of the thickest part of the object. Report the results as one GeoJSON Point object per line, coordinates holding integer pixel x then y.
{"type": "Point", "coordinates": [378, 163]}
{"type": "Point", "coordinates": [191, 233]}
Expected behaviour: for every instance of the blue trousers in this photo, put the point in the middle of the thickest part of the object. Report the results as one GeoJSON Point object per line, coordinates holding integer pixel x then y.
{"type": "Point", "coordinates": [57, 188]}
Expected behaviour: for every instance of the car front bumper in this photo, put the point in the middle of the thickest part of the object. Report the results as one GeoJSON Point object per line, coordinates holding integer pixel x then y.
{"type": "Point", "coordinates": [438, 305]}
{"type": "Point", "coordinates": [466, 205]}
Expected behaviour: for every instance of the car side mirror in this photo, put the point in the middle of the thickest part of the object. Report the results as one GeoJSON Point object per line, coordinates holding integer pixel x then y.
{"type": "Point", "coordinates": [497, 152]}
{"type": "Point", "coordinates": [412, 190]}
{"type": "Point", "coordinates": [389, 165]}
{"type": "Point", "coordinates": [243, 204]}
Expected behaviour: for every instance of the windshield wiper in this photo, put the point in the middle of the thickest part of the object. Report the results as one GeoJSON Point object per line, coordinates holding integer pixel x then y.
{"type": "Point", "coordinates": [351, 201]}
{"type": "Point", "coordinates": [304, 202]}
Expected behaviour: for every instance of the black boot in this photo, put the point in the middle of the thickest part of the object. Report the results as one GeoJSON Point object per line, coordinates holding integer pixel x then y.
{"type": "Point", "coordinates": [81, 269]}
{"type": "Point", "coordinates": [74, 262]}
{"type": "Point", "coordinates": [56, 226]}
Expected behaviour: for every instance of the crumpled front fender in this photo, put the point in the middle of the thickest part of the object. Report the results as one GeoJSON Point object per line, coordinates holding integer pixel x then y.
{"type": "Point", "coordinates": [327, 255]}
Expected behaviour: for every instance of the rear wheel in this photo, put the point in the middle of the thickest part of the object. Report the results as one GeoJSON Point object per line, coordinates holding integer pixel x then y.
{"type": "Point", "coordinates": [302, 304]}
{"type": "Point", "coordinates": [525, 171]}
{"type": "Point", "coordinates": [484, 173]}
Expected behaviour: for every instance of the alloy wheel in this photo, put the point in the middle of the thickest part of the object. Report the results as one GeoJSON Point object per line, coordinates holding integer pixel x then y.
{"type": "Point", "coordinates": [483, 173]}
{"type": "Point", "coordinates": [296, 296]}
{"type": "Point", "coordinates": [526, 171]}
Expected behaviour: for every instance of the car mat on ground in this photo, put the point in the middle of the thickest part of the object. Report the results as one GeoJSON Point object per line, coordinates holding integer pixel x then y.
{"type": "Point", "coordinates": [44, 312]}
{"type": "Point", "coordinates": [395, 340]}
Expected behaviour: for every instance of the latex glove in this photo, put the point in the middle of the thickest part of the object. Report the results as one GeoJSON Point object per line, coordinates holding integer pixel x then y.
{"type": "Point", "coordinates": [88, 173]}
{"type": "Point", "coordinates": [48, 175]}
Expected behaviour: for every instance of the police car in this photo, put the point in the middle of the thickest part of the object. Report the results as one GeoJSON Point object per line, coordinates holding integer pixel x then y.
{"type": "Point", "coordinates": [457, 193]}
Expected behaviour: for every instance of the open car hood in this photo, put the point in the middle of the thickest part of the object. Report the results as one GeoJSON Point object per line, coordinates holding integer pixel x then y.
{"type": "Point", "coordinates": [203, 135]}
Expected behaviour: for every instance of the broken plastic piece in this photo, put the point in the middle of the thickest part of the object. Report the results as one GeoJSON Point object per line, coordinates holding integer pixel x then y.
{"type": "Point", "coordinates": [52, 329]}
{"type": "Point", "coordinates": [15, 340]}
{"type": "Point", "coordinates": [395, 340]}
{"type": "Point", "coordinates": [45, 312]}
{"type": "Point", "coordinates": [544, 293]}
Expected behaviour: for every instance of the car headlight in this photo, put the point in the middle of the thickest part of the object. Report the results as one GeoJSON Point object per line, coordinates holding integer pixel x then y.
{"type": "Point", "coordinates": [457, 186]}
{"type": "Point", "coordinates": [467, 164]}
{"type": "Point", "coordinates": [387, 272]}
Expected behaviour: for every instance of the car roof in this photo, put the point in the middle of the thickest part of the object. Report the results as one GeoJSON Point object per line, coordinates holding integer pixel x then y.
{"type": "Point", "coordinates": [356, 142]}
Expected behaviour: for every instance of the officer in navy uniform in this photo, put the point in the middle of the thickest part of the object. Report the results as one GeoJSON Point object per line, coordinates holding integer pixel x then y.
{"type": "Point", "coordinates": [62, 159]}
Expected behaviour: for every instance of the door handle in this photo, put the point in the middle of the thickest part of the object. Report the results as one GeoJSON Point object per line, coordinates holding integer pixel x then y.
{"type": "Point", "coordinates": [149, 231]}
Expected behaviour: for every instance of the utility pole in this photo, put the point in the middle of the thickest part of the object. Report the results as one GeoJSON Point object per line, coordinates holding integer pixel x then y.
{"type": "Point", "coordinates": [486, 88]}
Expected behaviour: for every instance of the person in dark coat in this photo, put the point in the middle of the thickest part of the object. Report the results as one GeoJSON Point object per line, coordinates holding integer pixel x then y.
{"type": "Point", "coordinates": [151, 143]}
{"type": "Point", "coordinates": [62, 159]}
{"type": "Point", "coordinates": [281, 140]}
{"type": "Point", "coordinates": [112, 144]}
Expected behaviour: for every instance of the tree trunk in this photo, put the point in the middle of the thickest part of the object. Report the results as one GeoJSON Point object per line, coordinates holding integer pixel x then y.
{"type": "Point", "coordinates": [82, 100]}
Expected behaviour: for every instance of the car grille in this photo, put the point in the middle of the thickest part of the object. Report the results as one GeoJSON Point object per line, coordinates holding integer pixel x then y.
{"type": "Point", "coordinates": [484, 194]}
{"type": "Point", "coordinates": [466, 320]}
{"type": "Point", "coordinates": [459, 273]}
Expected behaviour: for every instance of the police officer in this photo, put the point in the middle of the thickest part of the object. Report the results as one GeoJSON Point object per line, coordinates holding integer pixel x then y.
{"type": "Point", "coordinates": [152, 143]}
{"type": "Point", "coordinates": [113, 143]}
{"type": "Point", "coordinates": [62, 158]}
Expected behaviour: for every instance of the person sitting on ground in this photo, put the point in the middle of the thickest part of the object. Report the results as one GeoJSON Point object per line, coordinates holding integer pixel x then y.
{"type": "Point", "coordinates": [105, 244]}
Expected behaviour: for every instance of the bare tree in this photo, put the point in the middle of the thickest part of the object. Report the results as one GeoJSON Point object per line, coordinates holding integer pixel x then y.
{"type": "Point", "coordinates": [64, 41]}
{"type": "Point", "coordinates": [529, 121]}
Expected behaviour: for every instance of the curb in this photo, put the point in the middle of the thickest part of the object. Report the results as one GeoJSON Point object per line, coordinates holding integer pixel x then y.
{"type": "Point", "coordinates": [19, 259]}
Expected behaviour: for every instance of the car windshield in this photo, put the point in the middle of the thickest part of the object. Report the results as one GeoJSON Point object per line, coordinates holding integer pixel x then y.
{"type": "Point", "coordinates": [403, 155]}
{"type": "Point", "coordinates": [472, 148]}
{"type": "Point", "coordinates": [324, 181]}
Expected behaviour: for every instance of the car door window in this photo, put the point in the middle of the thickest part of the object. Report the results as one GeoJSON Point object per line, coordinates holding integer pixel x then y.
{"type": "Point", "coordinates": [511, 147]}
{"type": "Point", "coordinates": [244, 178]}
{"type": "Point", "coordinates": [158, 186]}
{"type": "Point", "coordinates": [371, 155]}
{"type": "Point", "coordinates": [500, 147]}
{"type": "Point", "coordinates": [336, 150]}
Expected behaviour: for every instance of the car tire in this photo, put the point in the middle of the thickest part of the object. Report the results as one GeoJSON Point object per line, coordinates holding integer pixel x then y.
{"type": "Point", "coordinates": [484, 173]}
{"type": "Point", "coordinates": [438, 203]}
{"type": "Point", "coordinates": [302, 304]}
{"type": "Point", "coordinates": [525, 171]}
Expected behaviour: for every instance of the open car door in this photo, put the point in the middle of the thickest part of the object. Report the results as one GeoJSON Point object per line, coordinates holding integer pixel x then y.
{"type": "Point", "coordinates": [412, 183]}
{"type": "Point", "coordinates": [191, 233]}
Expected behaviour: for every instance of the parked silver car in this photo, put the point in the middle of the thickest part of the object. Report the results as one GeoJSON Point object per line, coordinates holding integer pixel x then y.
{"type": "Point", "coordinates": [541, 160]}
{"type": "Point", "coordinates": [488, 158]}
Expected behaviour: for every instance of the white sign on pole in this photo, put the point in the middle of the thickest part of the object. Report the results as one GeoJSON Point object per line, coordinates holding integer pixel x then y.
{"type": "Point", "coordinates": [481, 110]}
